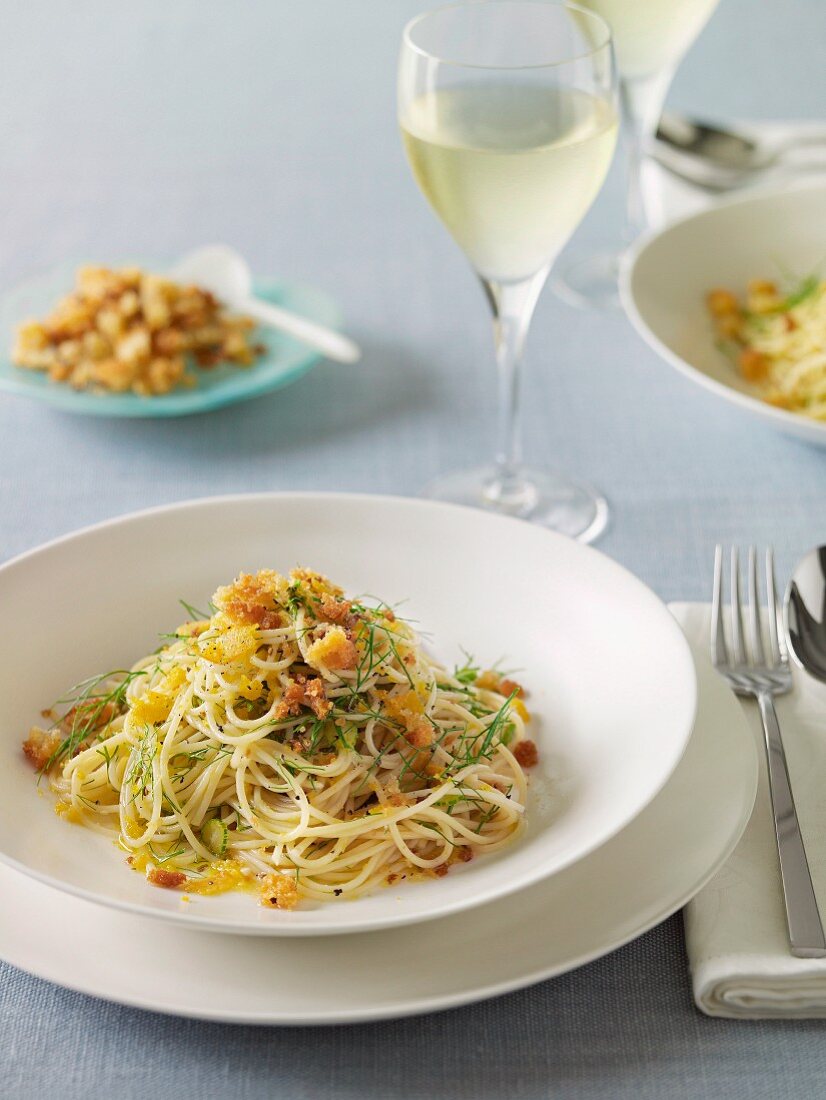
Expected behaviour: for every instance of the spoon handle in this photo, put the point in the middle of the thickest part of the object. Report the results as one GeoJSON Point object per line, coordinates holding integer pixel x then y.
{"type": "Point", "coordinates": [333, 344]}
{"type": "Point", "coordinates": [805, 929]}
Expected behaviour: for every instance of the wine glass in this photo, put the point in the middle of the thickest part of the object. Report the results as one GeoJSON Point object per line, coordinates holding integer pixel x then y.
{"type": "Point", "coordinates": [651, 37]}
{"type": "Point", "coordinates": [509, 118]}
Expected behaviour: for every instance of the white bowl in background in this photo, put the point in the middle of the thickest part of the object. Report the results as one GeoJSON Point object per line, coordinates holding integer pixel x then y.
{"type": "Point", "coordinates": [667, 274]}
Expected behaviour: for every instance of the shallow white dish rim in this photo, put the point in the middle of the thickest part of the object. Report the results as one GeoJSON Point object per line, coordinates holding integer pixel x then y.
{"type": "Point", "coordinates": [184, 914]}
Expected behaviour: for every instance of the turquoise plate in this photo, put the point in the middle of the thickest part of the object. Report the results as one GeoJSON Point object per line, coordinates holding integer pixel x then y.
{"type": "Point", "coordinates": [284, 361]}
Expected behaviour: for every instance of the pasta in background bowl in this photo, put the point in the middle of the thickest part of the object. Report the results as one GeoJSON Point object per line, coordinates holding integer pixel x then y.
{"type": "Point", "coordinates": [611, 681]}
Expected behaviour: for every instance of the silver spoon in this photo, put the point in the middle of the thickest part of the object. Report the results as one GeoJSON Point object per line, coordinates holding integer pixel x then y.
{"type": "Point", "coordinates": [721, 159]}
{"type": "Point", "coordinates": [805, 612]}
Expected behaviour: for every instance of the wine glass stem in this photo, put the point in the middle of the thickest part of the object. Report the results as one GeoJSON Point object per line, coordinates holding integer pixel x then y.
{"type": "Point", "coordinates": [512, 305]}
{"type": "Point", "coordinates": [642, 100]}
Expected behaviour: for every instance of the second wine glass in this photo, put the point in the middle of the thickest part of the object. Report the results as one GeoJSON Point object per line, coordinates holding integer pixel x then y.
{"type": "Point", "coordinates": [650, 39]}
{"type": "Point", "coordinates": [509, 118]}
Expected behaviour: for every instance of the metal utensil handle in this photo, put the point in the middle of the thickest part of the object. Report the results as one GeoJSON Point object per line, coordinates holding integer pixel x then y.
{"type": "Point", "coordinates": [802, 916]}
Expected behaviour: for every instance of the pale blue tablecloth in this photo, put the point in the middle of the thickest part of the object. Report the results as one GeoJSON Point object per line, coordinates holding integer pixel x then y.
{"type": "Point", "coordinates": [154, 127]}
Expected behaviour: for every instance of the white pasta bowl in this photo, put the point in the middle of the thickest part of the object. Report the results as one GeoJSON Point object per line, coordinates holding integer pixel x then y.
{"type": "Point", "coordinates": [610, 677]}
{"type": "Point", "coordinates": [667, 275]}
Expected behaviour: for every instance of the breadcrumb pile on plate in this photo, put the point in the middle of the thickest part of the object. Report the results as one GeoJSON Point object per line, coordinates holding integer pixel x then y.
{"type": "Point", "coordinates": [129, 331]}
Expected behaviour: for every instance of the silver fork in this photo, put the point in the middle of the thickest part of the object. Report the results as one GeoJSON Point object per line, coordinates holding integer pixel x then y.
{"type": "Point", "coordinates": [763, 672]}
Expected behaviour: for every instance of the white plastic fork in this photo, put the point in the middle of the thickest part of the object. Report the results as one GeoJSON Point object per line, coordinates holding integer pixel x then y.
{"type": "Point", "coordinates": [762, 672]}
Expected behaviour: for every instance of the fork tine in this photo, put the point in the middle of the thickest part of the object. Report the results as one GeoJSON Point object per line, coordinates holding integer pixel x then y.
{"type": "Point", "coordinates": [755, 628]}
{"type": "Point", "coordinates": [719, 652]}
{"type": "Point", "coordinates": [776, 639]}
{"type": "Point", "coordinates": [736, 611]}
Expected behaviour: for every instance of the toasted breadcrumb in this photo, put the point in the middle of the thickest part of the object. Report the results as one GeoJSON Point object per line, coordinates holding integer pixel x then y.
{"type": "Point", "coordinates": [279, 891]}
{"type": "Point", "coordinates": [168, 879]}
{"type": "Point", "coordinates": [511, 687]}
{"type": "Point", "coordinates": [337, 611]}
{"type": "Point", "coordinates": [253, 599]}
{"type": "Point", "coordinates": [526, 753]}
{"type": "Point", "coordinates": [41, 745]}
{"type": "Point", "coordinates": [408, 710]}
{"type": "Point", "coordinates": [316, 697]}
{"type": "Point", "coordinates": [309, 693]}
{"type": "Point", "coordinates": [419, 733]}
{"type": "Point", "coordinates": [722, 302]}
{"type": "Point", "coordinates": [91, 714]}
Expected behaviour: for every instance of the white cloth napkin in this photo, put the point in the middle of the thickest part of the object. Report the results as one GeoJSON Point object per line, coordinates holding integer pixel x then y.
{"type": "Point", "coordinates": [736, 935]}
{"type": "Point", "coordinates": [667, 197]}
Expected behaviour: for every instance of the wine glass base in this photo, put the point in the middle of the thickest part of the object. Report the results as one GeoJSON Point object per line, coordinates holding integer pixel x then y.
{"type": "Point", "coordinates": [570, 507]}
{"type": "Point", "coordinates": [591, 282]}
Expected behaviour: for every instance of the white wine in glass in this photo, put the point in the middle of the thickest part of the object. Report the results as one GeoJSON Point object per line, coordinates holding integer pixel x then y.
{"type": "Point", "coordinates": [651, 37]}
{"type": "Point", "coordinates": [510, 171]}
{"type": "Point", "coordinates": [509, 118]}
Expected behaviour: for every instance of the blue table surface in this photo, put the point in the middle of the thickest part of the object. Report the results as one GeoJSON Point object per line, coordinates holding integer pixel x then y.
{"type": "Point", "coordinates": [152, 128]}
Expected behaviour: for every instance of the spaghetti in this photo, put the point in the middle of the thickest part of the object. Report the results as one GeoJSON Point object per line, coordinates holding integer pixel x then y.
{"type": "Point", "coordinates": [777, 341]}
{"type": "Point", "coordinates": [294, 742]}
